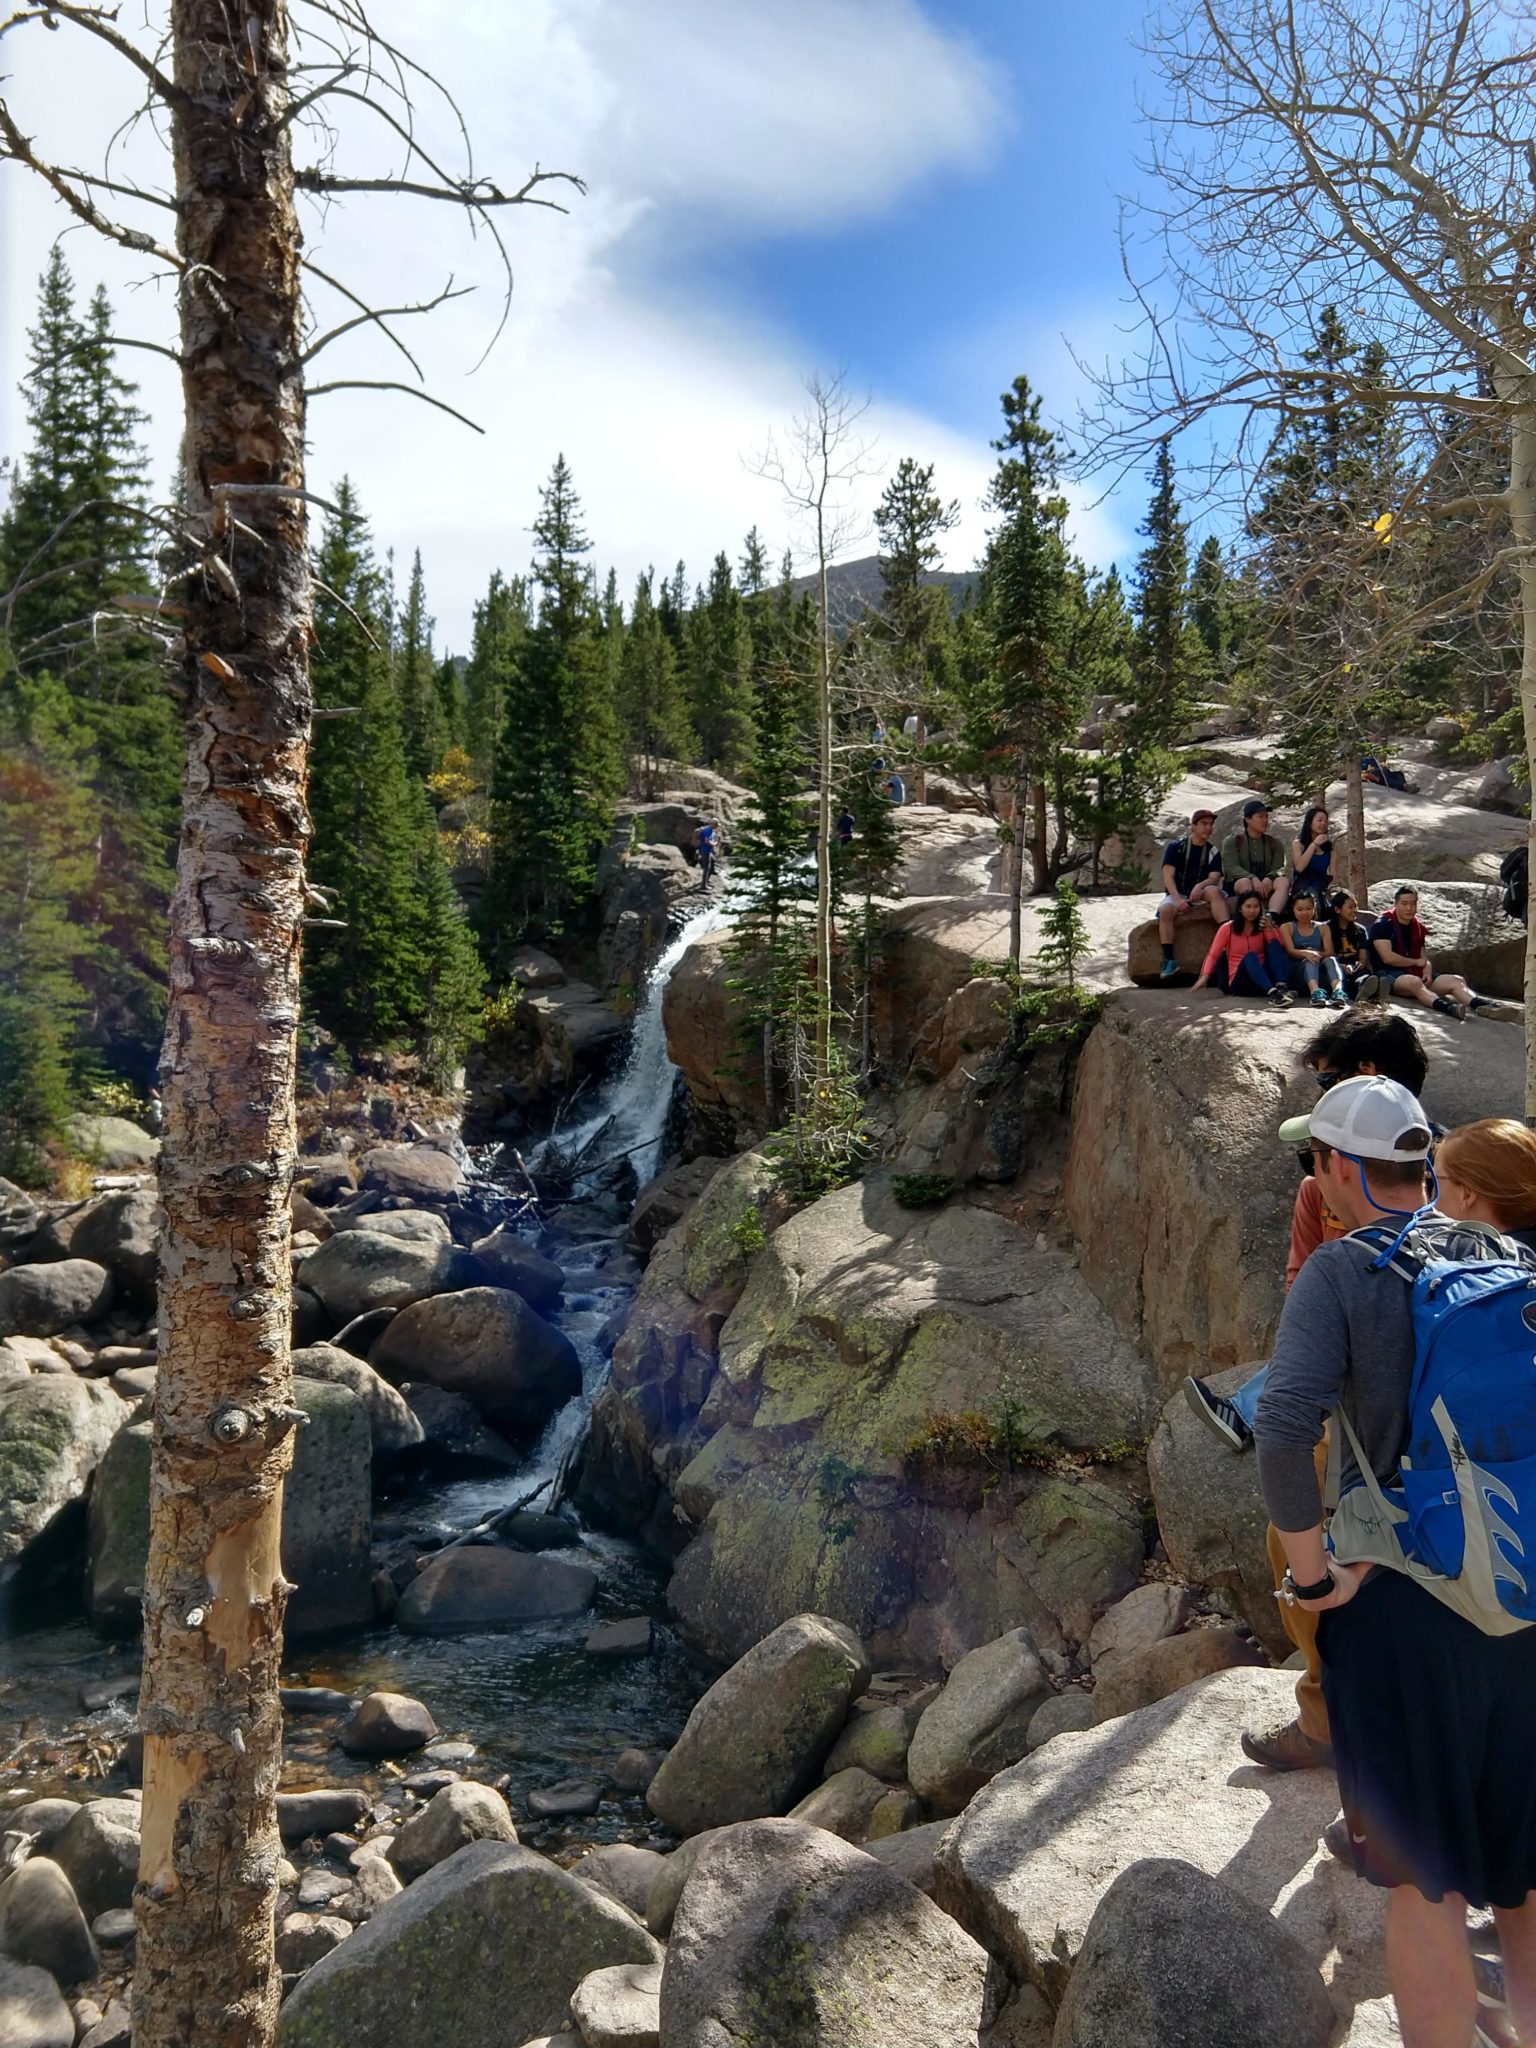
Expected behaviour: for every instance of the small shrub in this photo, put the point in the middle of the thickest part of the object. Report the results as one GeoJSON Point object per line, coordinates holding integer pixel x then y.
{"type": "Point", "coordinates": [922, 1190]}
{"type": "Point", "coordinates": [74, 1179]}
{"type": "Point", "coordinates": [747, 1232]}
{"type": "Point", "coordinates": [835, 1484]}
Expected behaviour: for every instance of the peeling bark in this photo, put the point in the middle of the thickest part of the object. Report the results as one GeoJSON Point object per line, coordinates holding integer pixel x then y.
{"type": "Point", "coordinates": [214, 1592]}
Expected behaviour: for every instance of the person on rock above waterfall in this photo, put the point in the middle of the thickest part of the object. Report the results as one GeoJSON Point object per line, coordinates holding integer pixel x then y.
{"type": "Point", "coordinates": [1398, 939]}
{"type": "Point", "coordinates": [1191, 879]}
{"type": "Point", "coordinates": [1428, 1650]}
{"type": "Point", "coordinates": [1252, 859]}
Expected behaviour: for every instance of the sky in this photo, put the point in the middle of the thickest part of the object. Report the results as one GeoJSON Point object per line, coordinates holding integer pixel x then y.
{"type": "Point", "coordinates": [920, 194]}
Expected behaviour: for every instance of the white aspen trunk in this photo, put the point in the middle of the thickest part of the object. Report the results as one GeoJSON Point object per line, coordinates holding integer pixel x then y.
{"type": "Point", "coordinates": [824, 817]}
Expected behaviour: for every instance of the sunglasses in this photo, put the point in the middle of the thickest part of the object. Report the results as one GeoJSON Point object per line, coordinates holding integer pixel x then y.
{"type": "Point", "coordinates": [1327, 1081]}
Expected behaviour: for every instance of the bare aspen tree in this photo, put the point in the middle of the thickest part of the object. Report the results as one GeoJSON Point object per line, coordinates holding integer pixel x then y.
{"type": "Point", "coordinates": [1377, 157]}
{"type": "Point", "coordinates": [824, 457]}
{"type": "Point", "coordinates": [232, 87]}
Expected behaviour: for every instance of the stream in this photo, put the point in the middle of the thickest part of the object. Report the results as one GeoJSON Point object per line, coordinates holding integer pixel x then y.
{"type": "Point", "coordinates": [536, 1708]}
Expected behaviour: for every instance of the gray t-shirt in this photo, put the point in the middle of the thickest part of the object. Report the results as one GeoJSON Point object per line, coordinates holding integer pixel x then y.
{"type": "Point", "coordinates": [1346, 1339]}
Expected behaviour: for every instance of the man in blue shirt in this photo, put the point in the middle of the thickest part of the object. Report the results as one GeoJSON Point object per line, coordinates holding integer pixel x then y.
{"type": "Point", "coordinates": [1191, 878]}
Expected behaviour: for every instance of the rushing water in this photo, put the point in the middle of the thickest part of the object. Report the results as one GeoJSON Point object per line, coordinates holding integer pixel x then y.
{"type": "Point", "coordinates": [536, 1707]}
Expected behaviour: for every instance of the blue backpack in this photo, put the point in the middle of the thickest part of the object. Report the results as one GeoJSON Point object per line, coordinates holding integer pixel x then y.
{"type": "Point", "coordinates": [1464, 1509]}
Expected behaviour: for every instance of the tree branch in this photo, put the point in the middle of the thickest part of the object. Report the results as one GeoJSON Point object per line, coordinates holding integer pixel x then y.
{"type": "Point", "coordinates": [383, 313]}
{"type": "Point", "coordinates": [98, 22]}
{"type": "Point", "coordinates": [18, 147]}
{"type": "Point", "coordinates": [384, 384]}
{"type": "Point", "coordinates": [478, 194]}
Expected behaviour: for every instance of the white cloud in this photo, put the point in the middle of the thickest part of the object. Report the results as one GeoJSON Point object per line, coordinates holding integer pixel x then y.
{"type": "Point", "coordinates": [696, 125]}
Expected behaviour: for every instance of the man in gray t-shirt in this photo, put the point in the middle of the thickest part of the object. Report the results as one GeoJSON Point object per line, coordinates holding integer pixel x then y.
{"type": "Point", "coordinates": [1430, 1715]}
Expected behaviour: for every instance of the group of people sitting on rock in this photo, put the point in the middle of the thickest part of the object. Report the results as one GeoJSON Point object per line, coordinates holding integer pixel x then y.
{"type": "Point", "coordinates": [1410, 1284]}
{"type": "Point", "coordinates": [1322, 951]}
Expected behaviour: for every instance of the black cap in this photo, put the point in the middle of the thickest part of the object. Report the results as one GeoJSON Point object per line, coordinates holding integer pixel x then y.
{"type": "Point", "coordinates": [1252, 810]}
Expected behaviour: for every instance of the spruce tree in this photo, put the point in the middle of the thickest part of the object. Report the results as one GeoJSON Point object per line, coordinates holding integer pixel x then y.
{"type": "Point", "coordinates": [448, 688]}
{"type": "Point", "coordinates": [559, 765]}
{"type": "Point", "coordinates": [1168, 653]}
{"type": "Point", "coordinates": [652, 709]}
{"type": "Point", "coordinates": [501, 627]}
{"type": "Point", "coordinates": [1032, 700]}
{"type": "Point", "coordinates": [421, 711]}
{"type": "Point", "coordinates": [47, 814]}
{"type": "Point", "coordinates": [720, 673]}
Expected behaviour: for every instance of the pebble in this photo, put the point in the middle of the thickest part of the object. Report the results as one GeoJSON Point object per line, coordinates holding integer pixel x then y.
{"type": "Point", "coordinates": [339, 1847]}
{"type": "Point", "coordinates": [114, 1928]}
{"type": "Point", "coordinates": [633, 1769]}
{"type": "Point", "coordinates": [319, 1887]}
{"type": "Point", "coordinates": [317, 1813]}
{"type": "Point", "coordinates": [450, 1752]}
{"type": "Point", "coordinates": [557, 1802]}
{"type": "Point", "coordinates": [387, 1724]}
{"type": "Point", "coordinates": [426, 1783]}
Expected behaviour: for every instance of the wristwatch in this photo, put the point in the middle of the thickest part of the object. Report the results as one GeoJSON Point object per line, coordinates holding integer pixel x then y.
{"type": "Point", "coordinates": [1290, 1592]}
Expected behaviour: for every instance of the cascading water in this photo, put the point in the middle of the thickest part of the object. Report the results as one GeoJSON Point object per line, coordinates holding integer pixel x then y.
{"type": "Point", "coordinates": [534, 1704]}
{"type": "Point", "coordinates": [635, 1103]}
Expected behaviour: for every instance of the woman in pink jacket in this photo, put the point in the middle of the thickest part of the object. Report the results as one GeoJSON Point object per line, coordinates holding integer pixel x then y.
{"type": "Point", "coordinates": [1246, 959]}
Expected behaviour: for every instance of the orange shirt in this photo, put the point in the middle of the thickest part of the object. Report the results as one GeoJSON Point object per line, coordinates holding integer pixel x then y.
{"type": "Point", "coordinates": [1312, 1223]}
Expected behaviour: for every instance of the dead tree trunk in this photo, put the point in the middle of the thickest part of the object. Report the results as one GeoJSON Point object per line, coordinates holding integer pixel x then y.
{"type": "Point", "coordinates": [1355, 879]}
{"type": "Point", "coordinates": [214, 1592]}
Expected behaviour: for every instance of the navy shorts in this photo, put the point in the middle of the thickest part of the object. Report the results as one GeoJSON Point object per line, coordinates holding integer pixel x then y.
{"type": "Point", "coordinates": [1434, 1744]}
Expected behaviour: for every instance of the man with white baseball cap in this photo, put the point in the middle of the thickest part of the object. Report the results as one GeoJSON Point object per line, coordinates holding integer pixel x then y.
{"type": "Point", "coordinates": [1430, 1716]}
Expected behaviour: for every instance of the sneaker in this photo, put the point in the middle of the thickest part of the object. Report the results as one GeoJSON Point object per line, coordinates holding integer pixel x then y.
{"type": "Point", "coordinates": [1447, 1008]}
{"type": "Point", "coordinates": [1483, 1006]}
{"type": "Point", "coordinates": [1218, 1415]}
{"type": "Point", "coordinates": [1318, 1000]}
{"type": "Point", "coordinates": [1286, 1749]}
{"type": "Point", "coordinates": [1337, 1000]}
{"type": "Point", "coordinates": [1337, 1842]}
{"type": "Point", "coordinates": [1367, 988]}
{"type": "Point", "coordinates": [1280, 997]}
{"type": "Point", "coordinates": [1168, 970]}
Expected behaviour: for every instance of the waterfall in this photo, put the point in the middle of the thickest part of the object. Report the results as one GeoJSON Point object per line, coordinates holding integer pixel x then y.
{"type": "Point", "coordinates": [636, 1101]}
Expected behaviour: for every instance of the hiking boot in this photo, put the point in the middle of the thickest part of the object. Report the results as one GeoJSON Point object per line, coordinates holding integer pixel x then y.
{"type": "Point", "coordinates": [1483, 1006]}
{"type": "Point", "coordinates": [1286, 1749]}
{"type": "Point", "coordinates": [1447, 1008]}
{"type": "Point", "coordinates": [1337, 1842]}
{"type": "Point", "coordinates": [1218, 1415]}
{"type": "Point", "coordinates": [1168, 970]}
{"type": "Point", "coordinates": [1367, 988]}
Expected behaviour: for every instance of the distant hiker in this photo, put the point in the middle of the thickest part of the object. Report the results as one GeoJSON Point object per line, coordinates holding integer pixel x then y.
{"type": "Point", "coordinates": [704, 846]}
{"type": "Point", "coordinates": [1191, 880]}
{"type": "Point", "coordinates": [1252, 859]}
{"type": "Point", "coordinates": [1406, 970]}
{"type": "Point", "coordinates": [1421, 1589]}
{"type": "Point", "coordinates": [846, 825]}
{"type": "Point", "coordinates": [1246, 958]}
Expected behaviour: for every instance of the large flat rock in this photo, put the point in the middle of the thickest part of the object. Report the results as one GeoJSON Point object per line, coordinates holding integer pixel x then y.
{"type": "Point", "coordinates": [1178, 1191]}
{"type": "Point", "coordinates": [1026, 1865]}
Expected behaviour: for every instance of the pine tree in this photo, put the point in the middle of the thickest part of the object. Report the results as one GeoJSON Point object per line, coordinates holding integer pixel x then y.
{"type": "Point", "coordinates": [47, 812]}
{"type": "Point", "coordinates": [501, 628]}
{"type": "Point", "coordinates": [451, 978]}
{"type": "Point", "coordinates": [1168, 654]}
{"type": "Point", "coordinates": [448, 688]}
{"type": "Point", "coordinates": [720, 673]}
{"type": "Point", "coordinates": [772, 878]}
{"type": "Point", "coordinates": [1032, 701]}
{"type": "Point", "coordinates": [76, 532]}
{"type": "Point", "coordinates": [559, 766]}
{"type": "Point", "coordinates": [421, 718]}
{"type": "Point", "coordinates": [862, 869]}
{"type": "Point", "coordinates": [652, 708]}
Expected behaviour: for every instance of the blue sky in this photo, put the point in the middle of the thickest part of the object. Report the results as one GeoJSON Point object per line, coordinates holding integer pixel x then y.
{"type": "Point", "coordinates": [921, 190]}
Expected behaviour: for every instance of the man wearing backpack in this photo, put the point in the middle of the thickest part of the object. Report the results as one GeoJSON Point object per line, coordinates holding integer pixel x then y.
{"type": "Point", "coordinates": [1418, 1335]}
